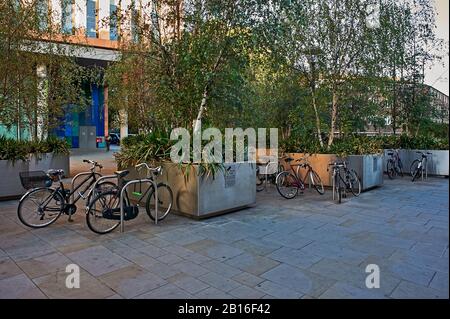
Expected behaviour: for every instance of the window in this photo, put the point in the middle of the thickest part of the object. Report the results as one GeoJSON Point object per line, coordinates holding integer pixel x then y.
{"type": "Point", "coordinates": [113, 21]}
{"type": "Point", "coordinates": [91, 18]}
{"type": "Point", "coordinates": [67, 16]}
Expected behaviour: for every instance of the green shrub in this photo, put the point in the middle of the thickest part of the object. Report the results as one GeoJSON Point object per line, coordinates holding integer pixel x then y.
{"type": "Point", "coordinates": [14, 150]}
{"type": "Point", "coordinates": [360, 145]}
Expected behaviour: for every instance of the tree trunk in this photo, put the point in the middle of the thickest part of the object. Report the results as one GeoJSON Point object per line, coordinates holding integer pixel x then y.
{"type": "Point", "coordinates": [319, 133]}
{"type": "Point", "coordinates": [333, 118]}
{"type": "Point", "coordinates": [198, 121]}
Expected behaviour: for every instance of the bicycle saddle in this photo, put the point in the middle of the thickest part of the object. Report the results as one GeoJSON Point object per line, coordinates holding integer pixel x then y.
{"type": "Point", "coordinates": [390, 154]}
{"type": "Point", "coordinates": [289, 159]}
{"type": "Point", "coordinates": [121, 174]}
{"type": "Point", "coordinates": [55, 172]}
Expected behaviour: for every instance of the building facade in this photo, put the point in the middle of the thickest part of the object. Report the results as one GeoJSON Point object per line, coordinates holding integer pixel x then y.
{"type": "Point", "coordinates": [90, 31]}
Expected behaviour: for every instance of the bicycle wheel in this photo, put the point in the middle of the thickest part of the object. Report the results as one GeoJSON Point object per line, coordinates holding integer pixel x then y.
{"type": "Point", "coordinates": [40, 207]}
{"type": "Point", "coordinates": [353, 182]}
{"type": "Point", "coordinates": [416, 174]}
{"type": "Point", "coordinates": [165, 202]}
{"type": "Point", "coordinates": [390, 169]}
{"type": "Point", "coordinates": [316, 182]}
{"type": "Point", "coordinates": [260, 181]}
{"type": "Point", "coordinates": [338, 189]}
{"type": "Point", "coordinates": [103, 215]}
{"type": "Point", "coordinates": [414, 166]}
{"type": "Point", "coordinates": [101, 188]}
{"type": "Point", "coordinates": [399, 167]}
{"type": "Point", "coordinates": [287, 185]}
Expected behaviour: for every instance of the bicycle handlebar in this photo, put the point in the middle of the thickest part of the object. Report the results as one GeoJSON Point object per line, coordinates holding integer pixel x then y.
{"type": "Point", "coordinates": [154, 170]}
{"type": "Point", "coordinates": [94, 164]}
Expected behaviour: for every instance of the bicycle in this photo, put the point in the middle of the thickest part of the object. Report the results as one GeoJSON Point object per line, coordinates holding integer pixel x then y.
{"type": "Point", "coordinates": [288, 183]}
{"type": "Point", "coordinates": [103, 213]}
{"type": "Point", "coordinates": [266, 172]}
{"type": "Point", "coordinates": [419, 166]}
{"type": "Point", "coordinates": [350, 181]}
{"type": "Point", "coordinates": [42, 204]}
{"type": "Point", "coordinates": [394, 164]}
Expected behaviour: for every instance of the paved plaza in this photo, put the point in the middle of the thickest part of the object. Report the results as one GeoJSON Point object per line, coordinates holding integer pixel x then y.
{"type": "Point", "coordinates": [307, 247]}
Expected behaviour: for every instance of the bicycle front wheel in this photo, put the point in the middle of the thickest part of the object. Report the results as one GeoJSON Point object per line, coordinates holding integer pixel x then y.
{"type": "Point", "coordinates": [353, 182]}
{"type": "Point", "coordinates": [165, 202]}
{"type": "Point", "coordinates": [40, 207]}
{"type": "Point", "coordinates": [316, 182]}
{"type": "Point", "coordinates": [287, 185]}
{"type": "Point", "coordinates": [103, 215]}
{"type": "Point", "coordinates": [414, 166]}
{"type": "Point", "coordinates": [260, 181]}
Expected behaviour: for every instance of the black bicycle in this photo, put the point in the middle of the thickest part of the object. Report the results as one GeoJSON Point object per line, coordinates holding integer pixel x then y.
{"type": "Point", "coordinates": [344, 179]}
{"type": "Point", "coordinates": [103, 213]}
{"type": "Point", "coordinates": [394, 164]}
{"type": "Point", "coordinates": [42, 204]}
{"type": "Point", "coordinates": [419, 166]}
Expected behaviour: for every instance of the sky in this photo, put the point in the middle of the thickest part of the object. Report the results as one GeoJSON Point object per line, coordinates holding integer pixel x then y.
{"type": "Point", "coordinates": [438, 75]}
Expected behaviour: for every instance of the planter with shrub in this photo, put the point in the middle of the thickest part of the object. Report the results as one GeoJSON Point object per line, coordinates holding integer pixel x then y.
{"type": "Point", "coordinates": [199, 190]}
{"type": "Point", "coordinates": [19, 156]}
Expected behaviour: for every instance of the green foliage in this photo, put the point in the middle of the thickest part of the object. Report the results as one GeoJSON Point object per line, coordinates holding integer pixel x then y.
{"type": "Point", "coordinates": [360, 145]}
{"type": "Point", "coordinates": [15, 150]}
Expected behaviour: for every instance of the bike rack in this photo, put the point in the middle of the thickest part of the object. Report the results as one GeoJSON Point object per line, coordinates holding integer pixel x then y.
{"type": "Point", "coordinates": [122, 192]}
{"type": "Point", "coordinates": [72, 183]}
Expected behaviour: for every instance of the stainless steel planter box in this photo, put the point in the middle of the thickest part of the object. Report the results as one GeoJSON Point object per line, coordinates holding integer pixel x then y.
{"type": "Point", "coordinates": [369, 169]}
{"type": "Point", "coordinates": [201, 197]}
{"type": "Point", "coordinates": [44, 162]}
{"type": "Point", "coordinates": [10, 186]}
{"type": "Point", "coordinates": [437, 164]}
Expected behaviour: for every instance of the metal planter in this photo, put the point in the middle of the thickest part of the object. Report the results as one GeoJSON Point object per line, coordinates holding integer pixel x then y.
{"type": "Point", "coordinates": [438, 163]}
{"type": "Point", "coordinates": [11, 187]}
{"type": "Point", "coordinates": [201, 197]}
{"type": "Point", "coordinates": [368, 167]}
{"type": "Point", "coordinates": [44, 162]}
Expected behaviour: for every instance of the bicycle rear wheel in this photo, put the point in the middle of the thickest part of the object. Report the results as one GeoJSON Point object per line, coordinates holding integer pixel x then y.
{"type": "Point", "coordinates": [40, 207]}
{"type": "Point", "coordinates": [260, 181]}
{"type": "Point", "coordinates": [165, 202]}
{"type": "Point", "coordinates": [390, 169]}
{"type": "Point", "coordinates": [416, 174]}
{"type": "Point", "coordinates": [316, 182]}
{"type": "Point", "coordinates": [103, 215]}
{"type": "Point", "coordinates": [287, 185]}
{"type": "Point", "coordinates": [354, 184]}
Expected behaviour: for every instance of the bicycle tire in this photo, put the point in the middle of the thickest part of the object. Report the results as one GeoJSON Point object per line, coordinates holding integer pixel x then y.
{"type": "Point", "coordinates": [103, 187]}
{"type": "Point", "coordinates": [316, 181]}
{"type": "Point", "coordinates": [413, 167]}
{"type": "Point", "coordinates": [416, 174]}
{"type": "Point", "coordinates": [260, 181]}
{"type": "Point", "coordinates": [286, 179]}
{"type": "Point", "coordinates": [356, 191]}
{"type": "Point", "coordinates": [390, 169]}
{"type": "Point", "coordinates": [90, 214]}
{"type": "Point", "coordinates": [58, 206]}
{"type": "Point", "coordinates": [169, 203]}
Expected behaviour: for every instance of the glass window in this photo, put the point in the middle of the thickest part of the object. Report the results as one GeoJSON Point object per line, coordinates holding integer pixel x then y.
{"type": "Point", "coordinates": [113, 21]}
{"type": "Point", "coordinates": [91, 18]}
{"type": "Point", "coordinates": [66, 19]}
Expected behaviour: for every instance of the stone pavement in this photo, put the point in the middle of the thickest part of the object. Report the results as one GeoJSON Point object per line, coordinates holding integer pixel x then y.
{"type": "Point", "coordinates": [308, 247]}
